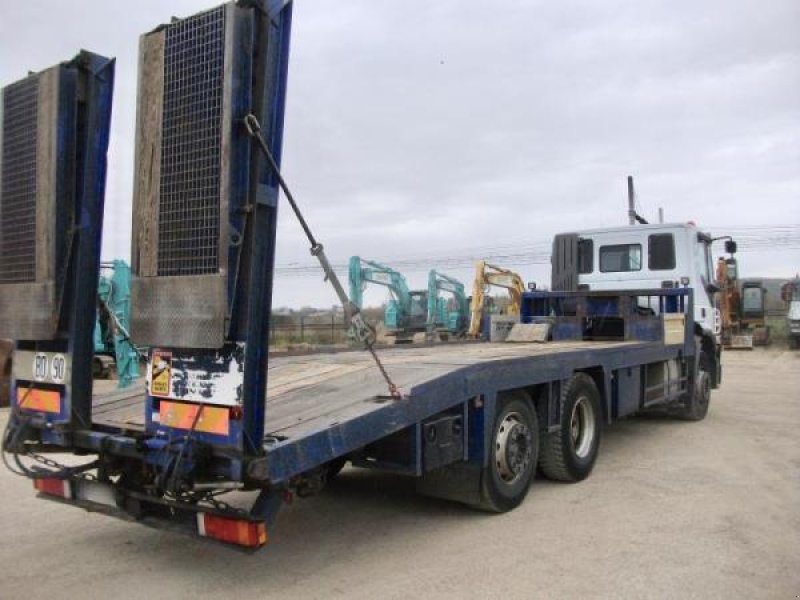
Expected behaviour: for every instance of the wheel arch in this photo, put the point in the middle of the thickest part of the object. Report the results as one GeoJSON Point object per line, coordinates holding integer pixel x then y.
{"type": "Point", "coordinates": [712, 352]}
{"type": "Point", "coordinates": [602, 382]}
{"type": "Point", "coordinates": [541, 400]}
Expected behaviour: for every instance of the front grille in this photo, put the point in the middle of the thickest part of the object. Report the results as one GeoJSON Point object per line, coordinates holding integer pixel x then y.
{"type": "Point", "coordinates": [194, 52]}
{"type": "Point", "coordinates": [18, 187]}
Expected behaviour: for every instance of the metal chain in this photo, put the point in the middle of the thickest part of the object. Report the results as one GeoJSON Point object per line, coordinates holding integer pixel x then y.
{"type": "Point", "coordinates": [222, 506]}
{"type": "Point", "coordinates": [49, 462]}
{"type": "Point", "coordinates": [210, 500]}
{"type": "Point", "coordinates": [34, 456]}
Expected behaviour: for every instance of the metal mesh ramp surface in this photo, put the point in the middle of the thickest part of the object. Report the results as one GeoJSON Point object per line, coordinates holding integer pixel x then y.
{"type": "Point", "coordinates": [18, 188]}
{"type": "Point", "coordinates": [194, 53]}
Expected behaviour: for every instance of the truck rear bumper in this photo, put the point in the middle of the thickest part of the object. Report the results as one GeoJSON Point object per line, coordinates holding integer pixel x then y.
{"type": "Point", "coordinates": [225, 463]}
{"type": "Point", "coordinates": [234, 528]}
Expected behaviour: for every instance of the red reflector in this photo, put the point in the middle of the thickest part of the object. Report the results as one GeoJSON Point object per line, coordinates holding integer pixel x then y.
{"type": "Point", "coordinates": [233, 531]}
{"type": "Point", "coordinates": [53, 487]}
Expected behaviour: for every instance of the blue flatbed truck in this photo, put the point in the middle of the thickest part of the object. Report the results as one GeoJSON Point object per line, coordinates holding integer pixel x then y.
{"type": "Point", "coordinates": [474, 422]}
{"type": "Point", "coordinates": [471, 421]}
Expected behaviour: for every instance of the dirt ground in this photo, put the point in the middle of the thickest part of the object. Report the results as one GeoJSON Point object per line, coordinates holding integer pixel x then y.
{"type": "Point", "coordinates": [672, 510]}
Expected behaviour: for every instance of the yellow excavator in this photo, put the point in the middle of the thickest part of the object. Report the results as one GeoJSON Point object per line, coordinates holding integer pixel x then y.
{"type": "Point", "coordinates": [487, 275]}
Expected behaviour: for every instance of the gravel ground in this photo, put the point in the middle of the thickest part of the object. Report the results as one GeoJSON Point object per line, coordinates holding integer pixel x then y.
{"type": "Point", "coordinates": [672, 510]}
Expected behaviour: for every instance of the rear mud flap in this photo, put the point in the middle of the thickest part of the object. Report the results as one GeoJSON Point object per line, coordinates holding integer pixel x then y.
{"type": "Point", "coordinates": [459, 482]}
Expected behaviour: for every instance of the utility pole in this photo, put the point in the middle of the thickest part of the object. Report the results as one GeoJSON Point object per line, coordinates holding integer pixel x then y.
{"type": "Point", "coordinates": [660, 215]}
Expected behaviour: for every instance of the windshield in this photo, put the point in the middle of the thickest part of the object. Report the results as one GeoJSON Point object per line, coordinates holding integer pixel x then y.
{"type": "Point", "coordinates": [709, 266]}
{"type": "Point", "coordinates": [752, 299]}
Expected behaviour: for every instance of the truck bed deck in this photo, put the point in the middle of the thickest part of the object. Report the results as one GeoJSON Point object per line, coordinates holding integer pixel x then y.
{"type": "Point", "coordinates": [307, 391]}
{"type": "Point", "coordinates": [337, 401]}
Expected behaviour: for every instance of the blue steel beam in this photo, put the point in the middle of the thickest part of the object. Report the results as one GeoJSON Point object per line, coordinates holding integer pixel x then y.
{"type": "Point", "coordinates": [271, 70]}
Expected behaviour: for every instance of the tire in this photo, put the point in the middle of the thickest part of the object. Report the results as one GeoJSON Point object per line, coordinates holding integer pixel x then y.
{"type": "Point", "coordinates": [696, 405]}
{"type": "Point", "coordinates": [515, 451]}
{"type": "Point", "coordinates": [569, 453]}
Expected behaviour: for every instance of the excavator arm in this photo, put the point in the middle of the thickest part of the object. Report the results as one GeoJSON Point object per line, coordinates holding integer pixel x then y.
{"type": "Point", "coordinates": [491, 275]}
{"type": "Point", "coordinates": [437, 313]}
{"type": "Point", "coordinates": [363, 272]}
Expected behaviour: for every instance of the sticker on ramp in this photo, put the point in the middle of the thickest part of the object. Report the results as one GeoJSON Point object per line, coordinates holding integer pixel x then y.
{"type": "Point", "coordinates": [160, 373]}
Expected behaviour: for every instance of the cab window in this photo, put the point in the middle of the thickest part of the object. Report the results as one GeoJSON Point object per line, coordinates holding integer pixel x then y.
{"type": "Point", "coordinates": [661, 252]}
{"type": "Point", "coordinates": [621, 258]}
{"type": "Point", "coordinates": [585, 256]}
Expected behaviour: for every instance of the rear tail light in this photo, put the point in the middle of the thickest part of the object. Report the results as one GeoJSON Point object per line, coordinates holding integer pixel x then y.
{"type": "Point", "coordinates": [250, 534]}
{"type": "Point", "coordinates": [54, 487]}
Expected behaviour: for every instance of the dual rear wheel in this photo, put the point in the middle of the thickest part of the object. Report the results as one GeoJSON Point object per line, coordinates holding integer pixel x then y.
{"type": "Point", "coordinates": [569, 452]}
{"type": "Point", "coordinates": [519, 444]}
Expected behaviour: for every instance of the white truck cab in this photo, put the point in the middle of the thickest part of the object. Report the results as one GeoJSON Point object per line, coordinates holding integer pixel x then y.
{"type": "Point", "coordinates": [650, 256]}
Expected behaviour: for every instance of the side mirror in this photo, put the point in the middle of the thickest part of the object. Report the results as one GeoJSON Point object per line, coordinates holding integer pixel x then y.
{"type": "Point", "coordinates": [730, 246]}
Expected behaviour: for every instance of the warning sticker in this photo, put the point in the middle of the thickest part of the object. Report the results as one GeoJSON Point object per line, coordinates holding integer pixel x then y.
{"type": "Point", "coordinates": [160, 373]}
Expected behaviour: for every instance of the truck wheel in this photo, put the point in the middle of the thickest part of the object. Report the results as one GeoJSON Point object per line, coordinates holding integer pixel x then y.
{"type": "Point", "coordinates": [515, 451]}
{"type": "Point", "coordinates": [568, 454]}
{"type": "Point", "coordinates": [696, 407]}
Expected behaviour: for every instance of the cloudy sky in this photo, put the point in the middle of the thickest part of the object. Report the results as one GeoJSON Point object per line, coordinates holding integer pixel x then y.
{"type": "Point", "coordinates": [431, 133]}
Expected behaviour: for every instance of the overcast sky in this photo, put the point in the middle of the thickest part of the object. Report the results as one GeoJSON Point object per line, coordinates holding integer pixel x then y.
{"type": "Point", "coordinates": [433, 130]}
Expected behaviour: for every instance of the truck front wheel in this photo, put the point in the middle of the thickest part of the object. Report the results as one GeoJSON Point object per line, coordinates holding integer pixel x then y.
{"type": "Point", "coordinates": [697, 401]}
{"type": "Point", "coordinates": [568, 454]}
{"type": "Point", "coordinates": [514, 454]}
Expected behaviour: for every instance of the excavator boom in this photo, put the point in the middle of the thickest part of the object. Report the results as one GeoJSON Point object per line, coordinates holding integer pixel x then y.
{"type": "Point", "coordinates": [439, 316]}
{"type": "Point", "coordinates": [405, 308]}
{"type": "Point", "coordinates": [487, 275]}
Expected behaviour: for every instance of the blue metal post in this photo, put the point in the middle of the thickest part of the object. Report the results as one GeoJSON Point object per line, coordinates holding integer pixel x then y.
{"type": "Point", "coordinates": [271, 70]}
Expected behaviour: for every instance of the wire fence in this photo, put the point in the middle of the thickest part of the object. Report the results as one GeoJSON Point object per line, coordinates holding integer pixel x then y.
{"type": "Point", "coordinates": [311, 330]}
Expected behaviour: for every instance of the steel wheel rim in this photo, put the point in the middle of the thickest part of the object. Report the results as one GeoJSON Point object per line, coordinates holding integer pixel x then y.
{"type": "Point", "coordinates": [582, 426]}
{"type": "Point", "coordinates": [513, 448]}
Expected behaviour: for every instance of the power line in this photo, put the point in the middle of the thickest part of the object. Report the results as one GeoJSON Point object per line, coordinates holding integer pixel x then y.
{"type": "Point", "coordinates": [753, 238]}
